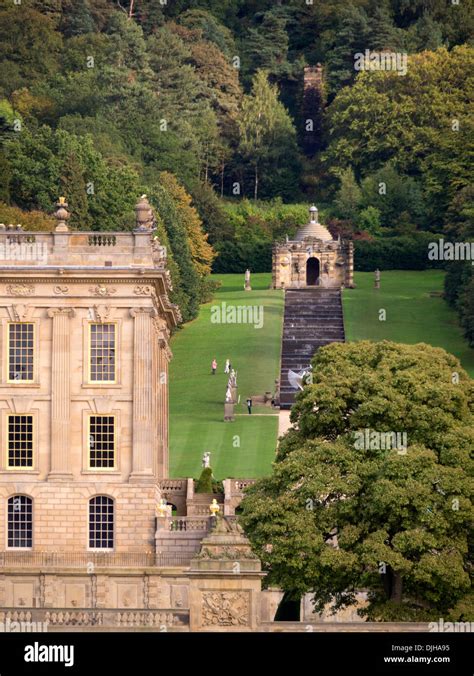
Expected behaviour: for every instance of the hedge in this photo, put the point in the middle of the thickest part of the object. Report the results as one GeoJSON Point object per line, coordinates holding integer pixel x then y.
{"type": "Point", "coordinates": [237, 257]}
{"type": "Point", "coordinates": [408, 252]}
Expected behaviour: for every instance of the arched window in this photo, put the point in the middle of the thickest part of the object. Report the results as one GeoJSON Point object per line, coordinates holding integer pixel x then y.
{"type": "Point", "coordinates": [20, 521]}
{"type": "Point", "coordinates": [101, 522]}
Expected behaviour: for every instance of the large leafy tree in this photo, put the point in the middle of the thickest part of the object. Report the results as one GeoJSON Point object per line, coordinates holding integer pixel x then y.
{"type": "Point", "coordinates": [29, 46]}
{"type": "Point", "coordinates": [187, 242]}
{"type": "Point", "coordinates": [268, 137]}
{"type": "Point", "coordinates": [421, 121]}
{"type": "Point", "coordinates": [338, 515]}
{"type": "Point", "coordinates": [44, 163]}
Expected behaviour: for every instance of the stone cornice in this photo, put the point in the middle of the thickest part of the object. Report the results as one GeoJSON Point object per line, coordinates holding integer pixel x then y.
{"type": "Point", "coordinates": [156, 293]}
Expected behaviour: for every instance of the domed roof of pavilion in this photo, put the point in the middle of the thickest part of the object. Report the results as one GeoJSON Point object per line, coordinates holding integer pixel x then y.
{"type": "Point", "coordinates": [313, 228]}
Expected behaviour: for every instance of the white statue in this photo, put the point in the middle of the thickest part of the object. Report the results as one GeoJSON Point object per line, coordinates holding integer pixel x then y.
{"type": "Point", "coordinates": [206, 459]}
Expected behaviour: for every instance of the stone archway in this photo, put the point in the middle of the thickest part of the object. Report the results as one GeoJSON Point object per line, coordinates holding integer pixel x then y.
{"type": "Point", "coordinates": [312, 271]}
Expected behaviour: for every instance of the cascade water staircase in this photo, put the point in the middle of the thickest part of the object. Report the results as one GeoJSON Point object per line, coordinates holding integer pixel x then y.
{"type": "Point", "coordinates": [313, 318]}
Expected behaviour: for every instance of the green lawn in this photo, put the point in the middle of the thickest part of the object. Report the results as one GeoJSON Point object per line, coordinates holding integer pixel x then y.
{"type": "Point", "coordinates": [246, 447]}
{"type": "Point", "coordinates": [412, 315]}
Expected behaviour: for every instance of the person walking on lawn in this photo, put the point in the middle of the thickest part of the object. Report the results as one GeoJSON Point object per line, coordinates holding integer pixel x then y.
{"type": "Point", "coordinates": [214, 367]}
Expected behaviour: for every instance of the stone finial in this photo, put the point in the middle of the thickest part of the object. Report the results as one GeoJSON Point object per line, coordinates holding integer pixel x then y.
{"type": "Point", "coordinates": [313, 214]}
{"type": "Point", "coordinates": [145, 218]}
{"type": "Point", "coordinates": [62, 214]}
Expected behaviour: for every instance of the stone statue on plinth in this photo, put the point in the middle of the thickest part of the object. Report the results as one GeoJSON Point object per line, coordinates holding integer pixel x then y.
{"type": "Point", "coordinates": [377, 279]}
{"type": "Point", "coordinates": [230, 397]}
{"type": "Point", "coordinates": [247, 286]}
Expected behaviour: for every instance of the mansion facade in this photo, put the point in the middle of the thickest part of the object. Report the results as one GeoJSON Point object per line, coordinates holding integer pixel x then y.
{"type": "Point", "coordinates": [88, 538]}
{"type": "Point", "coordinates": [84, 388]}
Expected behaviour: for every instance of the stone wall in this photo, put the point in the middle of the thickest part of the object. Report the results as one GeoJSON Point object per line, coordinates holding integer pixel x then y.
{"type": "Point", "coordinates": [61, 514]}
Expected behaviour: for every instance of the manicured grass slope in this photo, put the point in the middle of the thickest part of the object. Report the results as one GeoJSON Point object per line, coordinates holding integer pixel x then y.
{"type": "Point", "coordinates": [413, 316]}
{"type": "Point", "coordinates": [197, 397]}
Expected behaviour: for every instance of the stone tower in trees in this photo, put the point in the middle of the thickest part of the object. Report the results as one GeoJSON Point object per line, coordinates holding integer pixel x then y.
{"type": "Point", "coordinates": [312, 109]}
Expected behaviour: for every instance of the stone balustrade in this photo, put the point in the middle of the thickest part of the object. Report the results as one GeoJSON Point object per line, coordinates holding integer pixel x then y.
{"type": "Point", "coordinates": [173, 486]}
{"type": "Point", "coordinates": [190, 523]}
{"type": "Point", "coordinates": [43, 619]}
{"type": "Point", "coordinates": [84, 560]}
{"type": "Point", "coordinates": [71, 248]}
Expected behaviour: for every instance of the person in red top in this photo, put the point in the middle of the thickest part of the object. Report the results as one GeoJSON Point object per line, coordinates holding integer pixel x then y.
{"type": "Point", "coordinates": [214, 367]}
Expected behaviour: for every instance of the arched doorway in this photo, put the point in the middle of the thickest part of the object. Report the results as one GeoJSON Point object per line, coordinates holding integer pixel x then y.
{"type": "Point", "coordinates": [312, 271]}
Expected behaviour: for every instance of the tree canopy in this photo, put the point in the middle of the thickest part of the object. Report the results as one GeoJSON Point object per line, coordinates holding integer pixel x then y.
{"type": "Point", "coordinates": [347, 510]}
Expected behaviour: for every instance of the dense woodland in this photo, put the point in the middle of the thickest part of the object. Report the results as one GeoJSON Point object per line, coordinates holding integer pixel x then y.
{"type": "Point", "coordinates": [200, 105]}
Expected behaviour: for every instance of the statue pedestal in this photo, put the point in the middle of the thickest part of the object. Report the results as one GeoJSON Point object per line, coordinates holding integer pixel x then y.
{"type": "Point", "coordinates": [225, 582]}
{"type": "Point", "coordinates": [229, 412]}
{"type": "Point", "coordinates": [233, 391]}
{"type": "Point", "coordinates": [247, 287]}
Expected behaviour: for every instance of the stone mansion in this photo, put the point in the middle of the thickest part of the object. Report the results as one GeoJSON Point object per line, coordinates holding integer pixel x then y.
{"type": "Point", "coordinates": [87, 536]}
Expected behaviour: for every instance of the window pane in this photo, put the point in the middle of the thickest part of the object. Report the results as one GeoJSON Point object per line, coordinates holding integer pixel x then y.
{"type": "Point", "coordinates": [20, 521]}
{"type": "Point", "coordinates": [20, 351]}
{"type": "Point", "coordinates": [102, 441]}
{"type": "Point", "coordinates": [101, 522]}
{"type": "Point", "coordinates": [20, 440]}
{"type": "Point", "coordinates": [102, 353]}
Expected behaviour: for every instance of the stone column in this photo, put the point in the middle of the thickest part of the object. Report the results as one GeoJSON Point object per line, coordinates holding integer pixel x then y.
{"type": "Point", "coordinates": [166, 356]}
{"type": "Point", "coordinates": [162, 355]}
{"type": "Point", "coordinates": [60, 394]}
{"type": "Point", "coordinates": [144, 391]}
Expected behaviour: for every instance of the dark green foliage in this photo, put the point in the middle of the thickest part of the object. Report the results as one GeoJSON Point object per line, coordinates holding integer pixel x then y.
{"type": "Point", "coordinates": [459, 292]}
{"type": "Point", "coordinates": [77, 18]}
{"type": "Point", "coordinates": [187, 292]}
{"type": "Point", "coordinates": [266, 46]}
{"type": "Point", "coordinates": [351, 37]}
{"type": "Point", "coordinates": [74, 186]}
{"type": "Point", "coordinates": [215, 220]}
{"type": "Point", "coordinates": [395, 253]}
{"type": "Point", "coordinates": [238, 256]}
{"type": "Point", "coordinates": [410, 511]}
{"type": "Point", "coordinates": [204, 483]}
{"type": "Point", "coordinates": [211, 28]}
{"type": "Point", "coordinates": [46, 162]}
{"type": "Point", "coordinates": [110, 94]}
{"type": "Point", "coordinates": [466, 309]}
{"type": "Point", "coordinates": [459, 280]}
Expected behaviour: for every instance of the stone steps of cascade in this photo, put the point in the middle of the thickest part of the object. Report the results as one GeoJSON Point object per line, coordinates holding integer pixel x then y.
{"type": "Point", "coordinates": [312, 318]}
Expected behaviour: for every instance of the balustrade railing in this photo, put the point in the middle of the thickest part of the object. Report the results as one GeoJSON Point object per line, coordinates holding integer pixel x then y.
{"type": "Point", "coordinates": [43, 619]}
{"type": "Point", "coordinates": [92, 560]}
